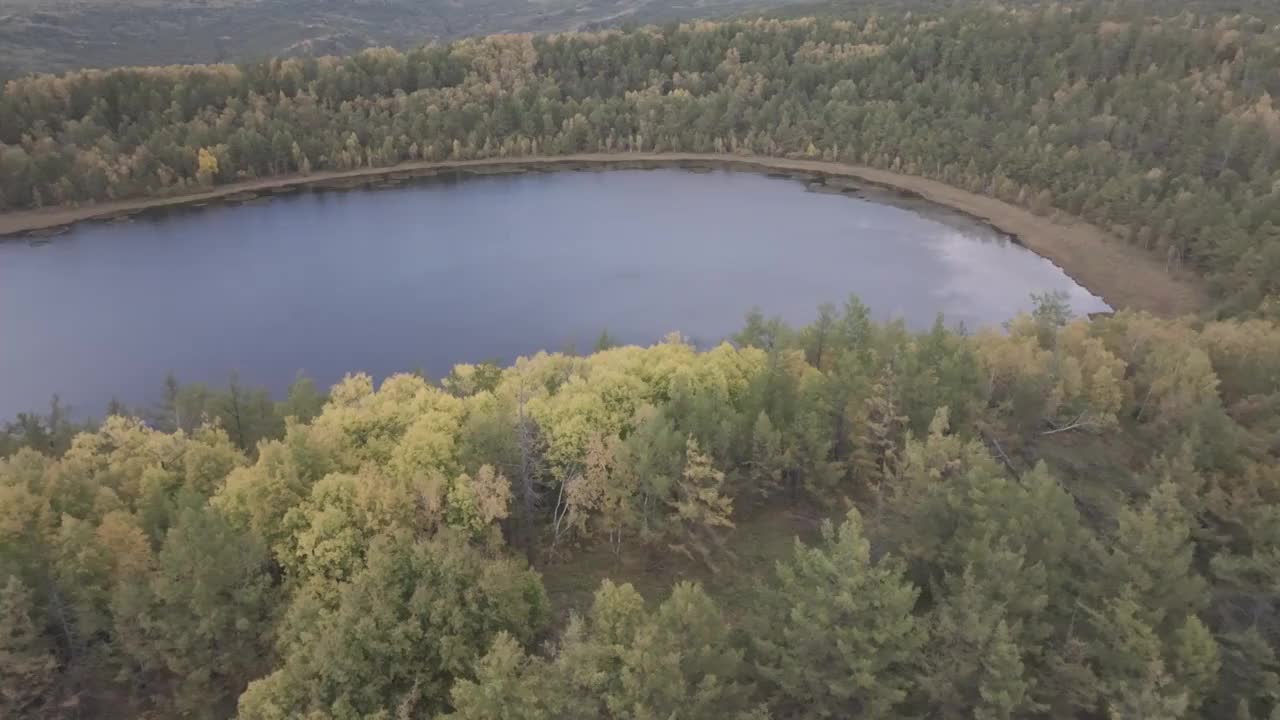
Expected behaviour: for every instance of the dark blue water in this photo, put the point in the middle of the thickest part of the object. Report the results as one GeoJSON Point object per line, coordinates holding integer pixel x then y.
{"type": "Point", "coordinates": [425, 276]}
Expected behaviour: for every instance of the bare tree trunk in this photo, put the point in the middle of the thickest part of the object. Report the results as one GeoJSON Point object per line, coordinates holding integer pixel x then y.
{"type": "Point", "coordinates": [558, 514]}
{"type": "Point", "coordinates": [235, 415]}
{"type": "Point", "coordinates": [527, 477]}
{"type": "Point", "coordinates": [1003, 456]}
{"type": "Point", "coordinates": [1082, 421]}
{"type": "Point", "coordinates": [69, 635]}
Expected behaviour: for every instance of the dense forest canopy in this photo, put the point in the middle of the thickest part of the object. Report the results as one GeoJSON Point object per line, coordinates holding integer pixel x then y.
{"type": "Point", "coordinates": [1062, 519]}
{"type": "Point", "coordinates": [1067, 519]}
{"type": "Point", "coordinates": [1161, 129]}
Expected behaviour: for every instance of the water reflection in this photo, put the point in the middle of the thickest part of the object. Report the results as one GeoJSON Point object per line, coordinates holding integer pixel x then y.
{"type": "Point", "coordinates": [430, 275]}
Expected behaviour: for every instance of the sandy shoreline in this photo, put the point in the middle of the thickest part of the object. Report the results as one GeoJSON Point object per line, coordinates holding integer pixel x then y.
{"type": "Point", "coordinates": [1124, 276]}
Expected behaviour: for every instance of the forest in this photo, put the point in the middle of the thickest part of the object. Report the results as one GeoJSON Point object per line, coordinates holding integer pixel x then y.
{"type": "Point", "coordinates": [1160, 129]}
{"type": "Point", "coordinates": [1062, 519]}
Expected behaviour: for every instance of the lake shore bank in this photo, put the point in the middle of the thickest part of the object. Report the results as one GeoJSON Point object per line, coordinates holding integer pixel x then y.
{"type": "Point", "coordinates": [1122, 275]}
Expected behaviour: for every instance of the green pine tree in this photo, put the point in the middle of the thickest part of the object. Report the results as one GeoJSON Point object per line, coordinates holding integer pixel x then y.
{"type": "Point", "coordinates": [702, 509]}
{"type": "Point", "coordinates": [508, 684]}
{"type": "Point", "coordinates": [1194, 660]}
{"type": "Point", "coordinates": [1129, 657]}
{"type": "Point", "coordinates": [837, 632]}
{"type": "Point", "coordinates": [203, 623]}
{"type": "Point", "coordinates": [972, 666]}
{"type": "Point", "coordinates": [28, 667]}
{"type": "Point", "coordinates": [1153, 554]}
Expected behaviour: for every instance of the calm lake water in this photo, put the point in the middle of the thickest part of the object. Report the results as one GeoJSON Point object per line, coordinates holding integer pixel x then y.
{"type": "Point", "coordinates": [429, 275]}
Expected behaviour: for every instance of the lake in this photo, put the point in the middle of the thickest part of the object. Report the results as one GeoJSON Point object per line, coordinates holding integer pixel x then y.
{"type": "Point", "coordinates": [432, 274]}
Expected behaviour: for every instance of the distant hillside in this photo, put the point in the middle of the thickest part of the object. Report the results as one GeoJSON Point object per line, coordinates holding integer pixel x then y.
{"type": "Point", "coordinates": [43, 36]}
{"type": "Point", "coordinates": [59, 35]}
{"type": "Point", "coordinates": [1267, 9]}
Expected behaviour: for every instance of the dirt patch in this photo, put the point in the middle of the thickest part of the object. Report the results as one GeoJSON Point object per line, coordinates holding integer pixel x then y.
{"type": "Point", "coordinates": [1121, 274]}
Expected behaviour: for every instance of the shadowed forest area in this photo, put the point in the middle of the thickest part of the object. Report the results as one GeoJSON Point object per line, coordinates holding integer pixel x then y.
{"type": "Point", "coordinates": [1062, 518]}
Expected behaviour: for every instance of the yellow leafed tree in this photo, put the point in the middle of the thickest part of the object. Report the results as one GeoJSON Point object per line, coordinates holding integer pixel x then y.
{"type": "Point", "coordinates": [206, 166]}
{"type": "Point", "coordinates": [1066, 381]}
{"type": "Point", "coordinates": [702, 509]}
